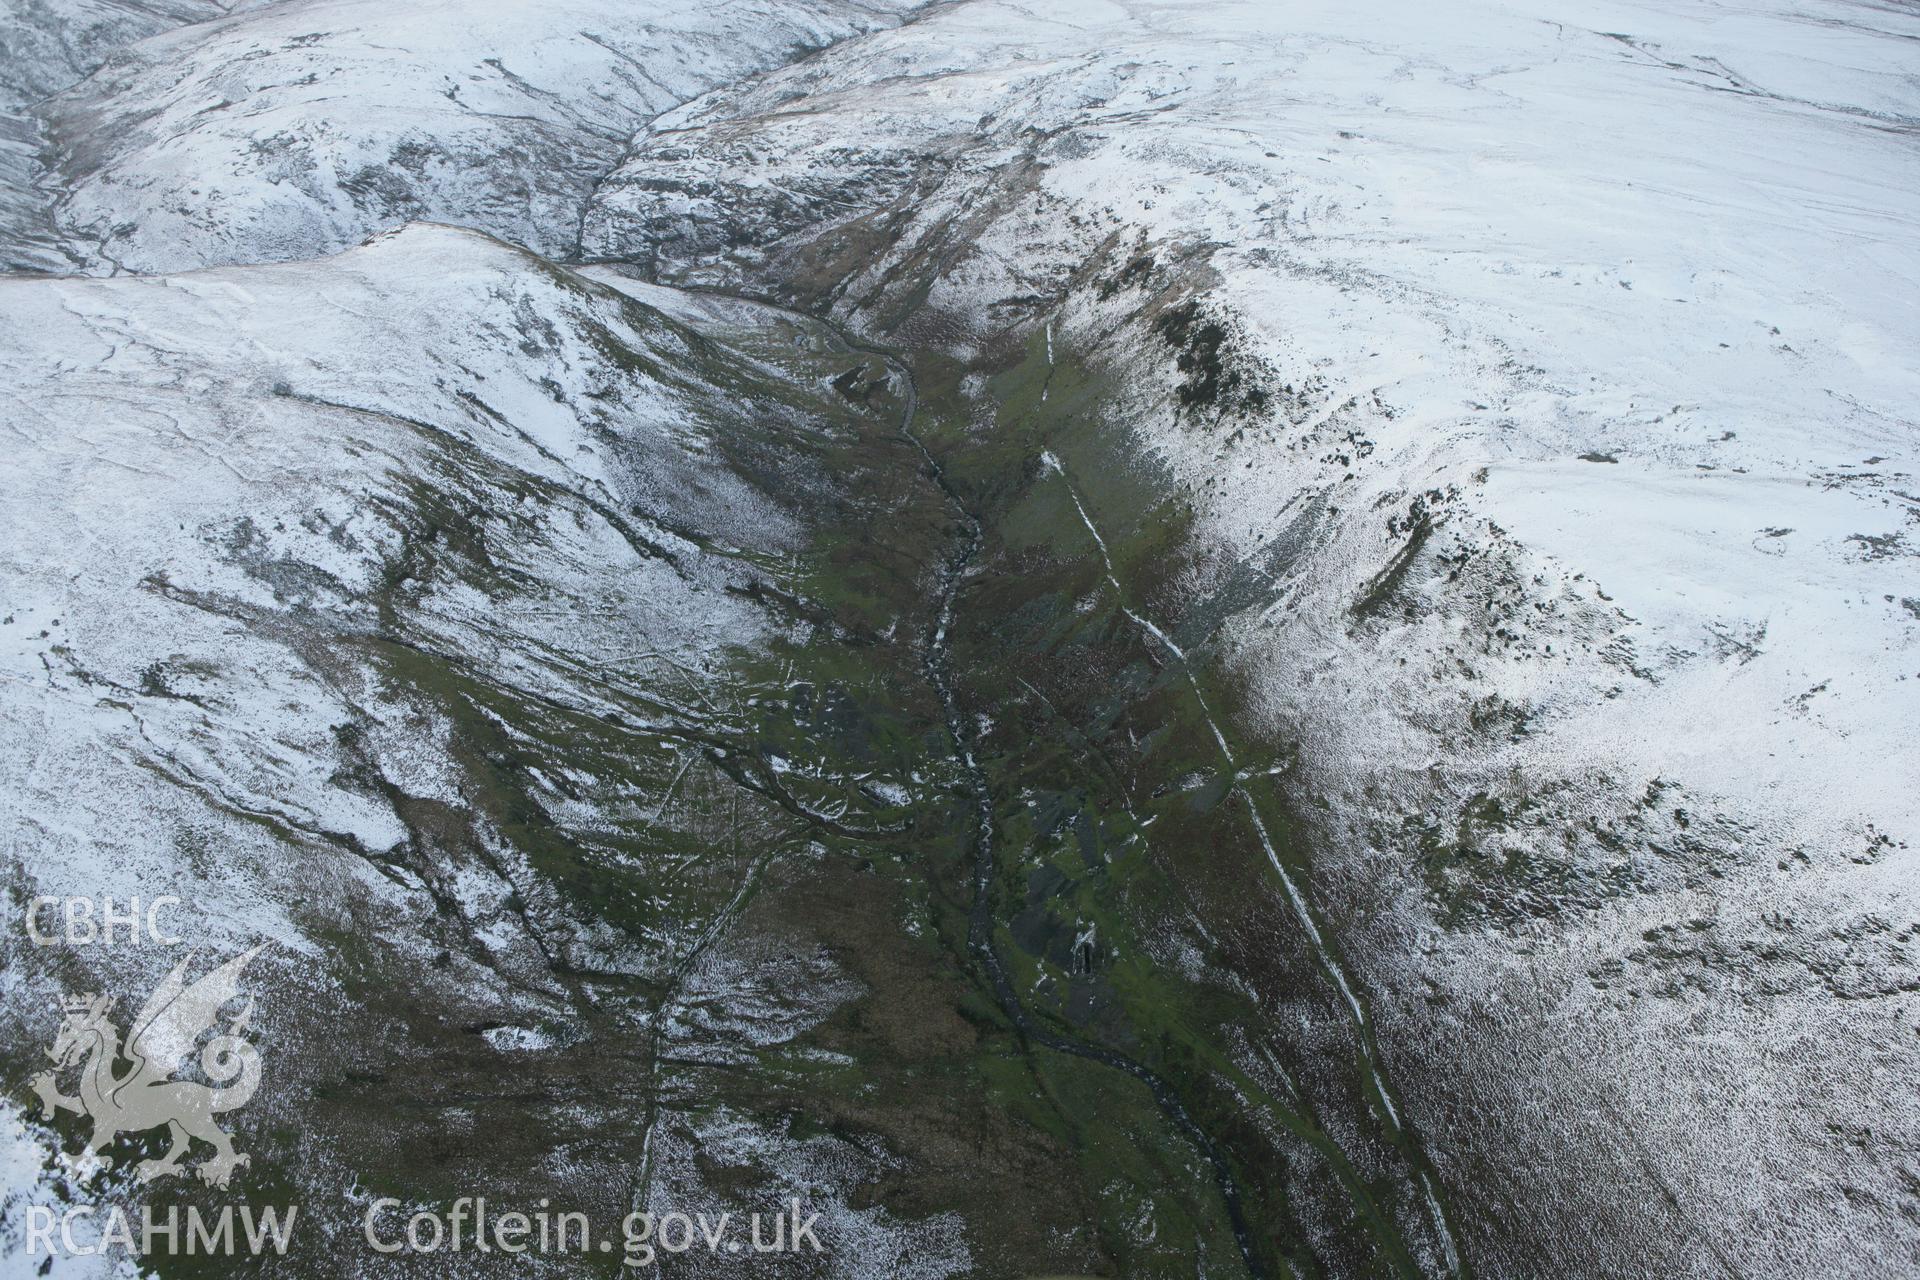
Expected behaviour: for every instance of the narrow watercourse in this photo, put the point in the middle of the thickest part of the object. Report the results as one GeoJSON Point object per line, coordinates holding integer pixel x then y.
{"type": "Point", "coordinates": [938, 661]}
{"type": "Point", "coordinates": [939, 668]}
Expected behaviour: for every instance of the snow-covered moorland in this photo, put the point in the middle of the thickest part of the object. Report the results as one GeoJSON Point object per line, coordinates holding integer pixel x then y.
{"type": "Point", "coordinates": [1492, 425]}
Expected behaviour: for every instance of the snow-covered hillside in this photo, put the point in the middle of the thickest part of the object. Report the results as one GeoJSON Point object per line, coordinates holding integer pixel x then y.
{"type": "Point", "coordinates": [262, 463]}
{"type": "Point", "coordinates": [1495, 426]}
{"type": "Point", "coordinates": [45, 46]}
{"type": "Point", "coordinates": [392, 609]}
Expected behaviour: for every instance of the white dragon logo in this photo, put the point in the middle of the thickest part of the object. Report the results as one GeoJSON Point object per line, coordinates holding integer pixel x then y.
{"type": "Point", "coordinates": [146, 1096]}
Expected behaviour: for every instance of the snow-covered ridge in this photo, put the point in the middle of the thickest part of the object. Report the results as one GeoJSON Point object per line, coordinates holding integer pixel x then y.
{"type": "Point", "coordinates": [297, 128]}
{"type": "Point", "coordinates": [1672, 361]}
